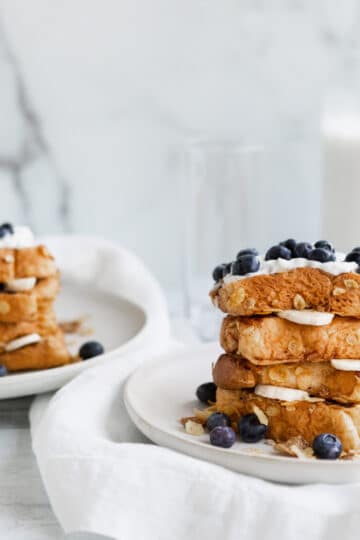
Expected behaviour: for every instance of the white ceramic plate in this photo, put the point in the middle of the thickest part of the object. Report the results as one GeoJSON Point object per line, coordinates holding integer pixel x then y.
{"type": "Point", "coordinates": [123, 304]}
{"type": "Point", "coordinates": [159, 393]}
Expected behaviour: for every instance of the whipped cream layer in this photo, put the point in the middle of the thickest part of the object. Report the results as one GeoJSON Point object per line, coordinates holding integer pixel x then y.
{"type": "Point", "coordinates": [340, 266]}
{"type": "Point", "coordinates": [307, 317]}
{"type": "Point", "coordinates": [22, 237]}
{"type": "Point", "coordinates": [20, 284]}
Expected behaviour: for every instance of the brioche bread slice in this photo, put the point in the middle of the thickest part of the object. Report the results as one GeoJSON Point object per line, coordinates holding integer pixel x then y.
{"type": "Point", "coordinates": [295, 418]}
{"type": "Point", "coordinates": [300, 288]}
{"type": "Point", "coordinates": [322, 380]}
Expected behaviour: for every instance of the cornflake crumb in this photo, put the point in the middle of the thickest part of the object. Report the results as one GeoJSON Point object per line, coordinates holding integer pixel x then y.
{"type": "Point", "coordinates": [194, 428]}
{"type": "Point", "coordinates": [76, 326]}
{"type": "Point", "coordinates": [295, 447]}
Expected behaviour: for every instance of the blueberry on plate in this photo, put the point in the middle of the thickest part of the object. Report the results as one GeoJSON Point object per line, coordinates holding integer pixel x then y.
{"type": "Point", "coordinates": [354, 256]}
{"type": "Point", "coordinates": [321, 255]}
{"type": "Point", "coordinates": [222, 436]}
{"type": "Point", "coordinates": [249, 251]}
{"type": "Point", "coordinates": [90, 349]}
{"type": "Point", "coordinates": [250, 428]}
{"type": "Point", "coordinates": [245, 265]}
{"type": "Point", "coordinates": [206, 392]}
{"type": "Point", "coordinates": [303, 249]}
{"type": "Point", "coordinates": [278, 252]}
{"type": "Point", "coordinates": [217, 419]}
{"type": "Point", "coordinates": [3, 370]}
{"type": "Point", "coordinates": [327, 446]}
{"type": "Point", "coordinates": [218, 272]}
{"type": "Point", "coordinates": [290, 243]}
{"type": "Point", "coordinates": [325, 245]}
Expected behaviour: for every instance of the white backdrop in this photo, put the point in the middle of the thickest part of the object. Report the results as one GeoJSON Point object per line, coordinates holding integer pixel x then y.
{"type": "Point", "coordinates": [97, 96]}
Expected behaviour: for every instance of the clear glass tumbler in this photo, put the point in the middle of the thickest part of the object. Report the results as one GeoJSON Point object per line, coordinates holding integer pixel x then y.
{"type": "Point", "coordinates": [240, 197]}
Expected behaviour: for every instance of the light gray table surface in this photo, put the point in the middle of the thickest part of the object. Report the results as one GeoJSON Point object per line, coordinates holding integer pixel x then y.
{"type": "Point", "coordinates": [25, 512]}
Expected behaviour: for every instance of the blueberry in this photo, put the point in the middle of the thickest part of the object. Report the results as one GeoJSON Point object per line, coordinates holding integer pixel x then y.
{"type": "Point", "coordinates": [303, 249]}
{"type": "Point", "coordinates": [90, 349]}
{"type": "Point", "coordinates": [249, 251]}
{"type": "Point", "coordinates": [218, 272]}
{"type": "Point", "coordinates": [3, 370]}
{"type": "Point", "coordinates": [290, 243]}
{"type": "Point", "coordinates": [321, 255]}
{"type": "Point", "coordinates": [6, 228]}
{"type": "Point", "coordinates": [217, 419]}
{"type": "Point", "coordinates": [325, 245]}
{"type": "Point", "coordinates": [355, 249]}
{"type": "Point", "coordinates": [206, 392]}
{"type": "Point", "coordinates": [327, 446]}
{"type": "Point", "coordinates": [244, 265]}
{"type": "Point", "coordinates": [278, 252]}
{"type": "Point", "coordinates": [250, 429]}
{"type": "Point", "coordinates": [354, 256]}
{"type": "Point", "coordinates": [223, 436]}
{"type": "Point", "coordinates": [227, 269]}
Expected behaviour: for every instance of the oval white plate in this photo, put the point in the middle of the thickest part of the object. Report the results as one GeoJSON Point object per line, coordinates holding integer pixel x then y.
{"type": "Point", "coordinates": [124, 305]}
{"type": "Point", "coordinates": [159, 393]}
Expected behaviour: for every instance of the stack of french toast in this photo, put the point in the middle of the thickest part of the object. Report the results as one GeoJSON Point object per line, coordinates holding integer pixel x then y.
{"type": "Point", "coordinates": [30, 337]}
{"type": "Point", "coordinates": [291, 338]}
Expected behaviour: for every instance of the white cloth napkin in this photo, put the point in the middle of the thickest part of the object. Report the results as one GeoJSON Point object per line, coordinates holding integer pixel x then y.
{"type": "Point", "coordinates": [103, 477]}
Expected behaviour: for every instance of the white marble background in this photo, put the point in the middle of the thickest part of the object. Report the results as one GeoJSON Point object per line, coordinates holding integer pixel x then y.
{"type": "Point", "coordinates": [97, 97]}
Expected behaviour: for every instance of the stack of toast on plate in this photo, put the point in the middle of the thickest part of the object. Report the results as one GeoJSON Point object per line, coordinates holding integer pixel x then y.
{"type": "Point", "coordinates": [30, 337]}
{"type": "Point", "coordinates": [291, 338]}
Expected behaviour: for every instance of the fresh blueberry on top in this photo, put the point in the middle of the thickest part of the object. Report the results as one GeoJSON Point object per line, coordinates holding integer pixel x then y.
{"type": "Point", "coordinates": [355, 249]}
{"type": "Point", "coordinates": [250, 429]}
{"type": "Point", "coordinates": [327, 446]}
{"type": "Point", "coordinates": [303, 249]}
{"type": "Point", "coordinates": [222, 436]}
{"type": "Point", "coordinates": [244, 265]}
{"type": "Point", "coordinates": [90, 349]}
{"type": "Point", "coordinates": [321, 255]}
{"type": "Point", "coordinates": [278, 252]}
{"type": "Point", "coordinates": [325, 245]}
{"type": "Point", "coordinates": [249, 251]}
{"type": "Point", "coordinates": [6, 228]}
{"type": "Point", "coordinates": [3, 370]}
{"type": "Point", "coordinates": [206, 392]}
{"type": "Point", "coordinates": [218, 272]}
{"type": "Point", "coordinates": [290, 243]}
{"type": "Point", "coordinates": [354, 256]}
{"type": "Point", "coordinates": [217, 419]}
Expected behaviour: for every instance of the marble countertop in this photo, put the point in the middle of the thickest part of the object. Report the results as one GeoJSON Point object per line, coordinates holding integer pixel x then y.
{"type": "Point", "coordinates": [25, 512]}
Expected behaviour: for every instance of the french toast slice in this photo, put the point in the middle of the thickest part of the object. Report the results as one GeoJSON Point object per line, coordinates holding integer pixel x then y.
{"type": "Point", "coordinates": [272, 340]}
{"type": "Point", "coordinates": [26, 262]}
{"type": "Point", "coordinates": [28, 305]}
{"type": "Point", "coordinates": [300, 288]}
{"type": "Point", "coordinates": [232, 372]}
{"type": "Point", "coordinates": [50, 352]}
{"type": "Point", "coordinates": [296, 418]}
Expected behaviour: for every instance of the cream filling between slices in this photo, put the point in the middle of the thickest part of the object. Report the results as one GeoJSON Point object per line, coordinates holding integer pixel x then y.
{"type": "Point", "coordinates": [345, 364]}
{"type": "Point", "coordinates": [21, 284]}
{"type": "Point", "coordinates": [306, 317]}
{"type": "Point", "coordinates": [20, 342]}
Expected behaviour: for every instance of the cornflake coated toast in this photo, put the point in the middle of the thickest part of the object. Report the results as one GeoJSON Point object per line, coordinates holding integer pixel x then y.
{"type": "Point", "coordinates": [26, 262]}
{"type": "Point", "coordinates": [300, 288]}
{"type": "Point", "coordinates": [322, 380]}
{"type": "Point", "coordinates": [296, 418]}
{"type": "Point", "coordinates": [27, 305]}
{"type": "Point", "coordinates": [271, 340]}
{"type": "Point", "coordinates": [50, 352]}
